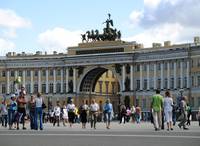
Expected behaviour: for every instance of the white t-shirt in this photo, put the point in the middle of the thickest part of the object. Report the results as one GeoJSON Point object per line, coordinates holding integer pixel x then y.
{"type": "Point", "coordinates": [71, 107]}
{"type": "Point", "coordinates": [65, 113]}
{"type": "Point", "coordinates": [94, 107]}
{"type": "Point", "coordinates": [38, 102]}
{"type": "Point", "coordinates": [56, 110]}
{"type": "Point", "coordinates": [168, 102]}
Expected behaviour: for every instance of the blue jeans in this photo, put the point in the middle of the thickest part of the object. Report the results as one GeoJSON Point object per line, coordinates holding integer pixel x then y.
{"type": "Point", "coordinates": [11, 117]}
{"type": "Point", "coordinates": [4, 120]}
{"type": "Point", "coordinates": [32, 119]}
{"type": "Point", "coordinates": [38, 112]}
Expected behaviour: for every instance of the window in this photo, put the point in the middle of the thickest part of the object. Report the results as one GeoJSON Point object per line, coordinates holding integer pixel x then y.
{"type": "Point", "coordinates": [172, 83]}
{"type": "Point", "coordinates": [51, 72]}
{"type": "Point", "coordinates": [44, 73]}
{"type": "Point", "coordinates": [51, 88]}
{"type": "Point", "coordinates": [159, 83]}
{"type": "Point", "coordinates": [28, 88]}
{"type": "Point", "coordinates": [192, 63]}
{"type": "Point", "coordinates": [192, 81]}
{"type": "Point", "coordinates": [144, 103]}
{"type": "Point", "coordinates": [185, 82]}
{"type": "Point", "coordinates": [179, 82]}
{"type": "Point", "coordinates": [165, 65]}
{"type": "Point", "coordinates": [36, 73]}
{"type": "Point", "coordinates": [64, 88]}
{"type": "Point", "coordinates": [145, 84]}
{"type": "Point", "coordinates": [43, 88]}
{"type": "Point", "coordinates": [28, 73]}
{"type": "Point", "coordinates": [138, 67]}
{"type": "Point", "coordinates": [198, 81]}
{"type": "Point", "coordinates": [35, 90]}
{"type": "Point", "coordinates": [3, 88]}
{"type": "Point", "coordinates": [3, 73]}
{"type": "Point", "coordinates": [113, 87]}
{"type": "Point", "coordinates": [20, 73]}
{"type": "Point", "coordinates": [58, 88]}
{"type": "Point", "coordinates": [145, 67]}
{"type": "Point", "coordinates": [12, 73]}
{"type": "Point", "coordinates": [165, 85]}
{"type": "Point", "coordinates": [58, 72]}
{"type": "Point", "coordinates": [107, 83]}
{"type": "Point", "coordinates": [158, 66]}
{"type": "Point", "coordinates": [100, 87]}
{"type": "Point", "coordinates": [137, 84]}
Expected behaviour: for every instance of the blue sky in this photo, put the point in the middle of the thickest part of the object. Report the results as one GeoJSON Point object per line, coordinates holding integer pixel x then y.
{"type": "Point", "coordinates": [47, 25]}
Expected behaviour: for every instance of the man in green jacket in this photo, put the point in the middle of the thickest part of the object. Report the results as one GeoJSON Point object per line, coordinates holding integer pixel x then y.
{"type": "Point", "coordinates": [156, 107]}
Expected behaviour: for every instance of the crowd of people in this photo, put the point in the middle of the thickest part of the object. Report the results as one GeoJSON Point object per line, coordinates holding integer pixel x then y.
{"type": "Point", "coordinates": [163, 109]}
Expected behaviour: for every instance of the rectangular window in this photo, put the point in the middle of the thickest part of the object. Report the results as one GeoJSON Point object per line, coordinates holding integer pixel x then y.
{"type": "Point", "coordinates": [3, 88]}
{"type": "Point", "coordinates": [58, 72]}
{"type": "Point", "coordinates": [36, 73]}
{"type": "Point", "coordinates": [145, 84]}
{"type": "Point", "coordinates": [144, 103]}
{"type": "Point", "coordinates": [159, 83]}
{"type": "Point", "coordinates": [198, 81]}
{"type": "Point", "coordinates": [20, 73]}
{"type": "Point", "coordinates": [165, 85]}
{"type": "Point", "coordinates": [179, 82]}
{"type": "Point", "coordinates": [138, 67]}
{"type": "Point", "coordinates": [158, 66]}
{"type": "Point", "coordinates": [12, 73]}
{"type": "Point", "coordinates": [51, 72]}
{"type": "Point", "coordinates": [192, 81]}
{"type": "Point", "coordinates": [43, 88]}
{"type": "Point", "coordinates": [28, 88]}
{"type": "Point", "coordinates": [3, 74]}
{"type": "Point", "coordinates": [28, 73]}
{"type": "Point", "coordinates": [51, 88]}
{"type": "Point", "coordinates": [100, 87]}
{"type": "Point", "coordinates": [43, 73]}
{"type": "Point", "coordinates": [145, 67]}
{"type": "Point", "coordinates": [58, 88]}
{"type": "Point", "coordinates": [137, 84]}
{"type": "Point", "coordinates": [165, 65]}
{"type": "Point", "coordinates": [35, 90]}
{"type": "Point", "coordinates": [172, 83]}
{"type": "Point", "coordinates": [185, 82]}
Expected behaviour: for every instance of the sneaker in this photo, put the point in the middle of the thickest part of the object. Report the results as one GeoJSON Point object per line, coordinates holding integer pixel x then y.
{"type": "Point", "coordinates": [184, 128]}
{"type": "Point", "coordinates": [24, 128]}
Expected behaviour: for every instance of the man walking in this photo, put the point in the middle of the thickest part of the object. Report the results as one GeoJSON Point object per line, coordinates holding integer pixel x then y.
{"type": "Point", "coordinates": [156, 106]}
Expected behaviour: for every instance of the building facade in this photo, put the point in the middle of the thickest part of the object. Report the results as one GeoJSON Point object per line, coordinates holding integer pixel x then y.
{"type": "Point", "coordinates": [137, 72]}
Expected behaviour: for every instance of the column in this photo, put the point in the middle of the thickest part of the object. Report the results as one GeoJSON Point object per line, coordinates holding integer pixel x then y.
{"type": "Point", "coordinates": [154, 73]}
{"type": "Point", "coordinates": [54, 80]}
{"type": "Point", "coordinates": [23, 78]}
{"type": "Point", "coordinates": [123, 77]}
{"type": "Point", "coordinates": [132, 77]}
{"type": "Point", "coordinates": [168, 75]}
{"type": "Point", "coordinates": [181, 73]}
{"type": "Point", "coordinates": [8, 81]}
{"type": "Point", "coordinates": [74, 80]}
{"type": "Point", "coordinates": [148, 87]}
{"type": "Point", "coordinates": [161, 76]}
{"type": "Point", "coordinates": [31, 81]}
{"type": "Point", "coordinates": [16, 85]}
{"type": "Point", "coordinates": [67, 80]}
{"type": "Point", "coordinates": [188, 74]}
{"type": "Point", "coordinates": [61, 80]}
{"type": "Point", "coordinates": [39, 81]}
{"type": "Point", "coordinates": [175, 81]}
{"type": "Point", "coordinates": [141, 79]}
{"type": "Point", "coordinates": [47, 81]}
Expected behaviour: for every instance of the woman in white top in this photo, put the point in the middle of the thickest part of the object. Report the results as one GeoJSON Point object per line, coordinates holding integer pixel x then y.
{"type": "Point", "coordinates": [57, 112]}
{"type": "Point", "coordinates": [168, 103]}
{"type": "Point", "coordinates": [38, 111]}
{"type": "Point", "coordinates": [65, 115]}
{"type": "Point", "coordinates": [71, 112]}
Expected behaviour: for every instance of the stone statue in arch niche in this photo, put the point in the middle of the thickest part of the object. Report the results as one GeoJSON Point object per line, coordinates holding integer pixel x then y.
{"type": "Point", "coordinates": [70, 86]}
{"type": "Point", "coordinates": [127, 84]}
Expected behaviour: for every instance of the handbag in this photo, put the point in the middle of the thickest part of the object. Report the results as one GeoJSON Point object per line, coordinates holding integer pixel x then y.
{"type": "Point", "coordinates": [43, 105]}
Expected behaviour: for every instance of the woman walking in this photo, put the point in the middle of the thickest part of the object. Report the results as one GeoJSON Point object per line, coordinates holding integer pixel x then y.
{"type": "Point", "coordinates": [31, 105]}
{"type": "Point", "coordinates": [71, 112]}
{"type": "Point", "coordinates": [168, 103]}
{"type": "Point", "coordinates": [108, 110]}
{"type": "Point", "coordinates": [83, 113]}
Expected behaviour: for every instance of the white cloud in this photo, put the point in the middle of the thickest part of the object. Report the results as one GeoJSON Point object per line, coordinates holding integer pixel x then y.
{"type": "Point", "coordinates": [6, 46]}
{"type": "Point", "coordinates": [10, 19]}
{"type": "Point", "coordinates": [161, 20]}
{"type": "Point", "coordinates": [58, 39]}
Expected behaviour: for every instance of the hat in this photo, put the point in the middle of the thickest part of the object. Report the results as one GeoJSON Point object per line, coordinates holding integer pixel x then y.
{"type": "Point", "coordinates": [12, 95]}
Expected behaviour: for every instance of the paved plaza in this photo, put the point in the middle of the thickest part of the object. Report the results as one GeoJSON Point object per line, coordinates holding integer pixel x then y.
{"type": "Point", "coordinates": [128, 134]}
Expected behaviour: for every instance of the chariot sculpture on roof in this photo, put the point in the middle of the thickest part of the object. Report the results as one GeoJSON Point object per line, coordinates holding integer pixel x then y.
{"type": "Point", "coordinates": [109, 33]}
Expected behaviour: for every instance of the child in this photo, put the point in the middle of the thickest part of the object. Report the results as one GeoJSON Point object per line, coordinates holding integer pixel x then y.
{"type": "Point", "coordinates": [57, 112]}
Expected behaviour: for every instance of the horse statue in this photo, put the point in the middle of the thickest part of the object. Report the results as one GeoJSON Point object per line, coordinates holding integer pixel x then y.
{"type": "Point", "coordinates": [83, 37]}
